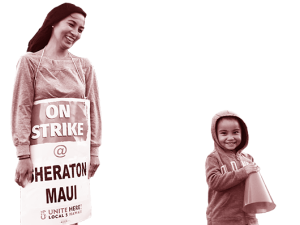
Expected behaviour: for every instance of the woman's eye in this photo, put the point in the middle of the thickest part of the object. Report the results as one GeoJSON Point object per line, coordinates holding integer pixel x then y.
{"type": "Point", "coordinates": [72, 25]}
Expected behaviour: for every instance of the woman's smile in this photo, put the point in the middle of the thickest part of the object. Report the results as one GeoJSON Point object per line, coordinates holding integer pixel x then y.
{"type": "Point", "coordinates": [71, 40]}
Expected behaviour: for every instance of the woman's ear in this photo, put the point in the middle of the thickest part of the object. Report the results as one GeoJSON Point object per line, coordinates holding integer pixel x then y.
{"type": "Point", "coordinates": [53, 25]}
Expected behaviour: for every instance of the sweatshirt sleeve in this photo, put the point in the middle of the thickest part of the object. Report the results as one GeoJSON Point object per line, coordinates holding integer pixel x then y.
{"type": "Point", "coordinates": [92, 94]}
{"type": "Point", "coordinates": [221, 182]}
{"type": "Point", "coordinates": [23, 95]}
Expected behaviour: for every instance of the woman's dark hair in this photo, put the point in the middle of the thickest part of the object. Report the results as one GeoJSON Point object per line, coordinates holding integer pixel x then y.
{"type": "Point", "coordinates": [42, 37]}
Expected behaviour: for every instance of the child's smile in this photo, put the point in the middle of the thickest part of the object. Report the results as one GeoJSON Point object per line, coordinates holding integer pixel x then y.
{"type": "Point", "coordinates": [229, 133]}
{"type": "Point", "coordinates": [230, 145]}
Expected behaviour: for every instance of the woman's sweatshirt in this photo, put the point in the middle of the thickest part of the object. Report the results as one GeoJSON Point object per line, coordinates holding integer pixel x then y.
{"type": "Point", "coordinates": [54, 79]}
{"type": "Point", "coordinates": [225, 176]}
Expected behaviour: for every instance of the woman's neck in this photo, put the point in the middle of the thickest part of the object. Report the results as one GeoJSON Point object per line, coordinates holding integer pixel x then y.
{"type": "Point", "coordinates": [53, 51]}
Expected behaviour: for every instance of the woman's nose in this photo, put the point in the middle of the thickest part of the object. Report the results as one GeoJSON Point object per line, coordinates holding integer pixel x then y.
{"type": "Point", "coordinates": [74, 33]}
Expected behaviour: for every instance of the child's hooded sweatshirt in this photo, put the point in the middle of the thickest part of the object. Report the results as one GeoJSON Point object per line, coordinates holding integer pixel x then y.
{"type": "Point", "coordinates": [226, 177]}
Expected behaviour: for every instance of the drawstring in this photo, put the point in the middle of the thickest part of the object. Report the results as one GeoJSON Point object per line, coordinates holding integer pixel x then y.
{"type": "Point", "coordinates": [34, 83]}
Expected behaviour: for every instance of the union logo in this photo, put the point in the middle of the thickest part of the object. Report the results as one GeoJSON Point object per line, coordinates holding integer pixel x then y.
{"type": "Point", "coordinates": [43, 215]}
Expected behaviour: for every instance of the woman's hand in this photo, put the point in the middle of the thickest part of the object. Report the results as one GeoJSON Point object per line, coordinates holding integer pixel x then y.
{"type": "Point", "coordinates": [95, 163]}
{"type": "Point", "coordinates": [24, 172]}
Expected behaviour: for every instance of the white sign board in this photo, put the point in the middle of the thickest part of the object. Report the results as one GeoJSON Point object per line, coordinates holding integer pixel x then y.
{"type": "Point", "coordinates": [60, 152]}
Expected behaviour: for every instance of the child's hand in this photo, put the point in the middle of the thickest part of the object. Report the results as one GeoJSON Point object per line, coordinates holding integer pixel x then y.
{"type": "Point", "coordinates": [251, 168]}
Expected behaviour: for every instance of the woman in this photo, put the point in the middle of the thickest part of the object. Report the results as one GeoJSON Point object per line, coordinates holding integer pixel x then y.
{"type": "Point", "coordinates": [50, 71]}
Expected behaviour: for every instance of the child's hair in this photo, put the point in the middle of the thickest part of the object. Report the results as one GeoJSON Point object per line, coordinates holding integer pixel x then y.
{"type": "Point", "coordinates": [242, 126]}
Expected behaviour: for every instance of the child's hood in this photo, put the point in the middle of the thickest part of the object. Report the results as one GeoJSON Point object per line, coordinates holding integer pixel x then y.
{"type": "Point", "coordinates": [245, 136]}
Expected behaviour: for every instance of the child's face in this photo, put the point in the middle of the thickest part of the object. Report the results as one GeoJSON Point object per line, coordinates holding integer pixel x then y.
{"type": "Point", "coordinates": [229, 133]}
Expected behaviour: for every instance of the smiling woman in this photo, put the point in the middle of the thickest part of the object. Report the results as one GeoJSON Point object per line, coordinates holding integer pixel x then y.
{"type": "Point", "coordinates": [65, 34]}
{"type": "Point", "coordinates": [64, 15]}
{"type": "Point", "coordinates": [50, 71]}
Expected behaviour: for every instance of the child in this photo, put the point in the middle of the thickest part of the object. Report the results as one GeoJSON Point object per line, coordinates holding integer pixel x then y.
{"type": "Point", "coordinates": [226, 171]}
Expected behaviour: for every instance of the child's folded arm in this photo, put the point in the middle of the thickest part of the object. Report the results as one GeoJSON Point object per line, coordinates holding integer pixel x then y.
{"type": "Point", "coordinates": [218, 181]}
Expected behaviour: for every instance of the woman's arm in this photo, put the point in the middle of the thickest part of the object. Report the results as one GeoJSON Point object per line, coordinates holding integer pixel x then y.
{"type": "Point", "coordinates": [22, 105]}
{"type": "Point", "coordinates": [92, 94]}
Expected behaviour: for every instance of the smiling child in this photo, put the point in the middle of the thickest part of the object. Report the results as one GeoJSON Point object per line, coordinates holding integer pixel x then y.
{"type": "Point", "coordinates": [226, 171]}
{"type": "Point", "coordinates": [229, 133]}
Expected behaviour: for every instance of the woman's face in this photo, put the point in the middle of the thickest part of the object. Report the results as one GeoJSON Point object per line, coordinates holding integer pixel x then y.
{"type": "Point", "coordinates": [68, 30]}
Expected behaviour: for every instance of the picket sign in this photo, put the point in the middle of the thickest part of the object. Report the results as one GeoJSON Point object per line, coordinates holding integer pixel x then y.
{"type": "Point", "coordinates": [60, 152]}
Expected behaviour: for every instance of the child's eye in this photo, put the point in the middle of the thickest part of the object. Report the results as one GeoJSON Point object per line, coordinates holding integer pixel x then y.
{"type": "Point", "coordinates": [71, 25]}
